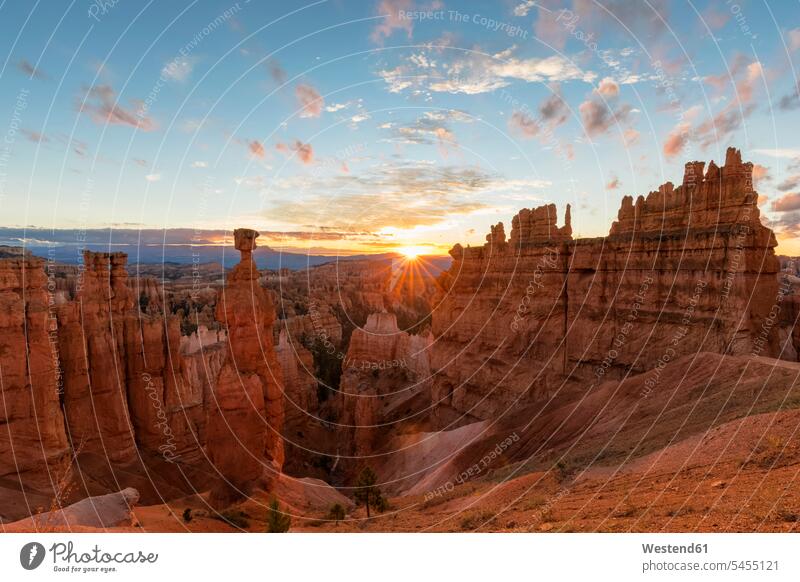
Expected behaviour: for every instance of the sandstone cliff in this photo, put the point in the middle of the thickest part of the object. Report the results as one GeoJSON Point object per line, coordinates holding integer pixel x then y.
{"type": "Point", "coordinates": [683, 270]}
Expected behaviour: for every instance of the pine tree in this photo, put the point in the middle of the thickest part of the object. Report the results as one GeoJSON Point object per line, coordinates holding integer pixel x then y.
{"type": "Point", "coordinates": [367, 493]}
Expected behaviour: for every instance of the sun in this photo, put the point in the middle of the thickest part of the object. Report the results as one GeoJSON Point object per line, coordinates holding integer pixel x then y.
{"type": "Point", "coordinates": [411, 253]}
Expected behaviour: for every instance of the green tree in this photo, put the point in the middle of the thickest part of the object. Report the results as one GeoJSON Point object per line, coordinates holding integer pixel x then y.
{"type": "Point", "coordinates": [277, 521]}
{"type": "Point", "coordinates": [367, 493]}
{"type": "Point", "coordinates": [336, 513]}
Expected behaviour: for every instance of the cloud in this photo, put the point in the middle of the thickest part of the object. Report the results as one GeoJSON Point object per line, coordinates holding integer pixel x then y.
{"type": "Point", "coordinates": [630, 137]}
{"type": "Point", "coordinates": [789, 183]}
{"type": "Point", "coordinates": [426, 130]}
{"type": "Point", "coordinates": [634, 19]}
{"type": "Point", "coordinates": [399, 195]}
{"type": "Point", "coordinates": [761, 173]}
{"type": "Point", "coordinates": [722, 125]}
{"type": "Point", "coordinates": [790, 101]}
{"type": "Point", "coordinates": [523, 125]}
{"type": "Point", "coordinates": [311, 102]}
{"type": "Point", "coordinates": [102, 105]}
{"type": "Point", "coordinates": [34, 136]}
{"type": "Point", "coordinates": [598, 117]}
{"type": "Point", "coordinates": [548, 28]}
{"type": "Point", "coordinates": [779, 152]}
{"type": "Point", "coordinates": [276, 71]}
{"type": "Point", "coordinates": [153, 177]}
{"type": "Point", "coordinates": [607, 88]}
{"type": "Point", "coordinates": [199, 164]}
{"type": "Point", "coordinates": [178, 69]}
{"type": "Point", "coordinates": [524, 8]}
{"type": "Point", "coordinates": [613, 184]}
{"type": "Point", "coordinates": [716, 19]}
{"type": "Point", "coordinates": [304, 152]}
{"type": "Point", "coordinates": [677, 139]}
{"type": "Point", "coordinates": [256, 149]}
{"type": "Point", "coordinates": [456, 115]}
{"type": "Point", "coordinates": [140, 162]}
{"type": "Point", "coordinates": [391, 11]}
{"type": "Point", "coordinates": [787, 202]}
{"type": "Point", "coordinates": [554, 110]}
{"type": "Point", "coordinates": [334, 107]}
{"type": "Point", "coordinates": [794, 39]}
{"type": "Point", "coordinates": [476, 73]}
{"type": "Point", "coordinates": [31, 71]}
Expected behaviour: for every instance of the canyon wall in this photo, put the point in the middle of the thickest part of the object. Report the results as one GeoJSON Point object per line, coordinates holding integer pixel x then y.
{"type": "Point", "coordinates": [88, 370]}
{"type": "Point", "coordinates": [33, 442]}
{"type": "Point", "coordinates": [682, 270]}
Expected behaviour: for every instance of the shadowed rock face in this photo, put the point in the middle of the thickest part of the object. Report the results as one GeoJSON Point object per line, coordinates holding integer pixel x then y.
{"type": "Point", "coordinates": [683, 270]}
{"type": "Point", "coordinates": [247, 416]}
{"type": "Point", "coordinates": [32, 436]}
{"type": "Point", "coordinates": [108, 380]}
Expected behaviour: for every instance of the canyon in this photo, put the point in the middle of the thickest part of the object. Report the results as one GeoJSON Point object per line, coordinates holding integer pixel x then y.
{"type": "Point", "coordinates": [538, 361]}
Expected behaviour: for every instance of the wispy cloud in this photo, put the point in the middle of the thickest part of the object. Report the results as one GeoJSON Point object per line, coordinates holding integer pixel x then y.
{"type": "Point", "coordinates": [393, 19]}
{"type": "Point", "coordinates": [787, 203]}
{"type": "Point", "coordinates": [476, 73]}
{"type": "Point", "coordinates": [303, 152]}
{"type": "Point", "coordinates": [256, 149]}
{"type": "Point", "coordinates": [34, 136]}
{"type": "Point", "coordinates": [103, 107]}
{"type": "Point", "coordinates": [392, 195]}
{"type": "Point", "coordinates": [311, 102]}
{"type": "Point", "coordinates": [178, 69]}
{"type": "Point", "coordinates": [31, 71]}
{"type": "Point", "coordinates": [520, 123]}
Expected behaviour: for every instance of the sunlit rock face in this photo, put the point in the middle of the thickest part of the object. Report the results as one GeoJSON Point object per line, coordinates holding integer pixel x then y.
{"type": "Point", "coordinates": [684, 269]}
{"type": "Point", "coordinates": [112, 378]}
{"type": "Point", "coordinates": [32, 439]}
{"type": "Point", "coordinates": [246, 420]}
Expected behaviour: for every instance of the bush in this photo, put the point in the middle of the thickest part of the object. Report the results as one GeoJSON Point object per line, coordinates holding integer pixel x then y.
{"type": "Point", "coordinates": [187, 515]}
{"type": "Point", "coordinates": [277, 521]}
{"type": "Point", "coordinates": [336, 513]}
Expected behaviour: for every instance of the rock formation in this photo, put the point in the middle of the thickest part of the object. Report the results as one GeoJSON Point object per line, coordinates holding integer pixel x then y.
{"type": "Point", "coordinates": [117, 385]}
{"type": "Point", "coordinates": [32, 437]}
{"type": "Point", "coordinates": [683, 270]}
{"type": "Point", "coordinates": [244, 431]}
{"type": "Point", "coordinates": [92, 349]}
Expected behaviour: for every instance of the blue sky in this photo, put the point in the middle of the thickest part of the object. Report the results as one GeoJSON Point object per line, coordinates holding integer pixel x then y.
{"type": "Point", "coordinates": [345, 126]}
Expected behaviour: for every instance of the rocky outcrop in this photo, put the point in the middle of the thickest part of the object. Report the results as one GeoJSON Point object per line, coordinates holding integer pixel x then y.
{"type": "Point", "coordinates": [683, 270]}
{"type": "Point", "coordinates": [101, 511]}
{"type": "Point", "coordinates": [117, 386]}
{"type": "Point", "coordinates": [32, 437]}
{"type": "Point", "coordinates": [244, 430]}
{"type": "Point", "coordinates": [385, 380]}
{"type": "Point", "coordinates": [92, 347]}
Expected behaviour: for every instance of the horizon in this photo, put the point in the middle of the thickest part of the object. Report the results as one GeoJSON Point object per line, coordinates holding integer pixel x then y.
{"type": "Point", "coordinates": [369, 128]}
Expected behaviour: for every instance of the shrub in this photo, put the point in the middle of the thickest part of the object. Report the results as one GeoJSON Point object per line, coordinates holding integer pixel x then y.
{"type": "Point", "coordinates": [277, 521]}
{"type": "Point", "coordinates": [337, 513]}
{"type": "Point", "coordinates": [187, 515]}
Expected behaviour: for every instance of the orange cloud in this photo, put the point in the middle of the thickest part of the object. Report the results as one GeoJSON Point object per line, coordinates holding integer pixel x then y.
{"type": "Point", "coordinates": [391, 11]}
{"type": "Point", "coordinates": [303, 151]}
{"type": "Point", "coordinates": [103, 106]}
{"type": "Point", "coordinates": [256, 149]}
{"type": "Point", "coordinates": [523, 125]}
{"type": "Point", "coordinates": [311, 102]}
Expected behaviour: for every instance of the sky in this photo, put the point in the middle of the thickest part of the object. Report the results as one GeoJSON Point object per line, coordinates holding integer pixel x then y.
{"type": "Point", "coordinates": [367, 126]}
